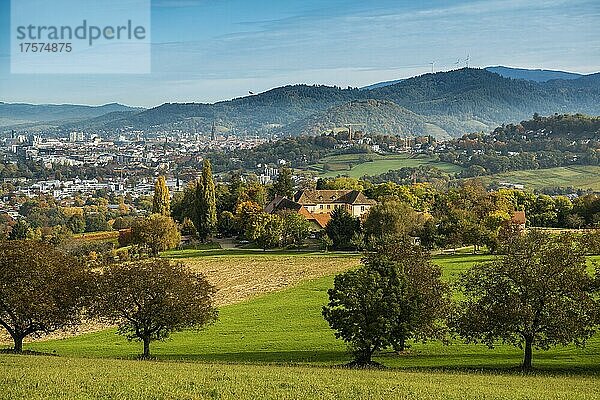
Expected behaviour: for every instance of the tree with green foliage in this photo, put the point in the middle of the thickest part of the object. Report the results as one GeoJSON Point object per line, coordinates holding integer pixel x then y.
{"type": "Point", "coordinates": [265, 229]}
{"type": "Point", "coordinates": [96, 222]}
{"type": "Point", "coordinates": [295, 228]}
{"type": "Point", "coordinates": [361, 306]}
{"type": "Point", "coordinates": [341, 229]}
{"type": "Point", "coordinates": [537, 296]}
{"type": "Point", "coordinates": [161, 202]}
{"type": "Point", "coordinates": [392, 218]}
{"type": "Point", "coordinates": [427, 299]}
{"type": "Point", "coordinates": [206, 208]}
{"type": "Point", "coordinates": [158, 232]}
{"type": "Point", "coordinates": [42, 290]}
{"type": "Point", "coordinates": [188, 228]}
{"type": "Point", "coordinates": [325, 242]}
{"type": "Point", "coordinates": [76, 223]}
{"type": "Point", "coordinates": [284, 185]}
{"type": "Point", "coordinates": [245, 213]}
{"type": "Point", "coordinates": [20, 230]}
{"type": "Point", "coordinates": [396, 295]}
{"type": "Point", "coordinates": [151, 299]}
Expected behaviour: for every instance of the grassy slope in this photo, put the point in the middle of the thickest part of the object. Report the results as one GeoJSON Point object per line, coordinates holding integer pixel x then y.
{"type": "Point", "coordinates": [286, 327]}
{"type": "Point", "coordinates": [381, 164]}
{"type": "Point", "coordinates": [584, 177]}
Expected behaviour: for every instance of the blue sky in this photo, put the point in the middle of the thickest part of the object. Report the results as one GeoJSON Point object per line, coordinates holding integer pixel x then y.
{"type": "Point", "coordinates": [210, 50]}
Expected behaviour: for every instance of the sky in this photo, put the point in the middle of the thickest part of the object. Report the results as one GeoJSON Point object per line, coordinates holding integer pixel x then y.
{"type": "Point", "coordinates": [212, 50]}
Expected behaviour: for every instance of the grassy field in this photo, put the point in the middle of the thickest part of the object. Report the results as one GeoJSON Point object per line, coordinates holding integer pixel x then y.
{"type": "Point", "coordinates": [353, 165]}
{"type": "Point", "coordinates": [584, 177]}
{"type": "Point", "coordinates": [277, 345]}
{"type": "Point", "coordinates": [287, 327]}
{"type": "Point", "coordinates": [25, 377]}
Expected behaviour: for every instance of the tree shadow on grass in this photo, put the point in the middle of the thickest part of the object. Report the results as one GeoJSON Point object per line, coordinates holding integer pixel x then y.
{"type": "Point", "coordinates": [493, 364]}
{"type": "Point", "coordinates": [305, 357]}
{"type": "Point", "coordinates": [505, 364]}
{"type": "Point", "coordinates": [26, 352]}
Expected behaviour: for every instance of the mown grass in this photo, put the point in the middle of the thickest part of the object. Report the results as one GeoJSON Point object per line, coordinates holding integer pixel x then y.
{"type": "Point", "coordinates": [34, 377]}
{"type": "Point", "coordinates": [354, 166]}
{"type": "Point", "coordinates": [581, 176]}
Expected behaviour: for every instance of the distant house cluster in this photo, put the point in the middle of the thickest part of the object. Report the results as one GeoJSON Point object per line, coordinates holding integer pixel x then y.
{"type": "Point", "coordinates": [317, 205]}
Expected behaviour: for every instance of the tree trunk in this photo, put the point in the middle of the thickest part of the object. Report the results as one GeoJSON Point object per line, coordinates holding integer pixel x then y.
{"type": "Point", "coordinates": [365, 356]}
{"type": "Point", "coordinates": [528, 353]}
{"type": "Point", "coordinates": [146, 348]}
{"type": "Point", "coordinates": [18, 344]}
{"type": "Point", "coordinates": [401, 346]}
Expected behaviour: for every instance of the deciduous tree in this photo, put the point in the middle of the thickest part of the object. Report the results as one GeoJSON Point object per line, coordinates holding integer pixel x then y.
{"type": "Point", "coordinates": [41, 289]}
{"type": "Point", "coordinates": [341, 228]}
{"type": "Point", "coordinates": [157, 231]}
{"type": "Point", "coordinates": [161, 203]}
{"type": "Point", "coordinates": [537, 296]}
{"type": "Point", "coordinates": [151, 299]}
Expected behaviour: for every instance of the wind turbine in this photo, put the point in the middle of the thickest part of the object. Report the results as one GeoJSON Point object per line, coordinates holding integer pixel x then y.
{"type": "Point", "coordinates": [432, 67]}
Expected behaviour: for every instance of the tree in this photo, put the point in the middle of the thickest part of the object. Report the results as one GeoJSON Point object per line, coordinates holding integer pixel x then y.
{"type": "Point", "coordinates": [341, 228]}
{"type": "Point", "coordinates": [360, 309]}
{"type": "Point", "coordinates": [265, 229]}
{"type": "Point", "coordinates": [206, 208]}
{"type": "Point", "coordinates": [426, 298]}
{"type": "Point", "coordinates": [157, 231]}
{"type": "Point", "coordinates": [41, 289]}
{"type": "Point", "coordinates": [19, 230]}
{"type": "Point", "coordinates": [396, 295]}
{"type": "Point", "coordinates": [325, 242]}
{"type": "Point", "coordinates": [284, 185]}
{"type": "Point", "coordinates": [151, 299]}
{"type": "Point", "coordinates": [183, 203]}
{"type": "Point", "coordinates": [76, 223]}
{"type": "Point", "coordinates": [537, 296]}
{"type": "Point", "coordinates": [161, 202]}
{"type": "Point", "coordinates": [393, 218]}
{"type": "Point", "coordinates": [96, 222]}
{"type": "Point", "coordinates": [295, 228]}
{"type": "Point", "coordinates": [245, 213]}
{"type": "Point", "coordinates": [188, 228]}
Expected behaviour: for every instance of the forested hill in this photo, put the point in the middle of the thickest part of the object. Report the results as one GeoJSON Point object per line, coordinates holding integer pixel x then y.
{"type": "Point", "coordinates": [455, 102]}
{"type": "Point", "coordinates": [537, 75]}
{"type": "Point", "coordinates": [381, 116]}
{"type": "Point", "coordinates": [542, 142]}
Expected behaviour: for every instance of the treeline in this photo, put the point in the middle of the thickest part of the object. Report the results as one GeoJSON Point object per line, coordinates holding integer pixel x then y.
{"type": "Point", "coordinates": [469, 214]}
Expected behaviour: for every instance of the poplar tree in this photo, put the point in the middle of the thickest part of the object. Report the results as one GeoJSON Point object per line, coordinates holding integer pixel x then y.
{"type": "Point", "coordinates": [160, 201]}
{"type": "Point", "coordinates": [284, 186]}
{"type": "Point", "coordinates": [206, 207]}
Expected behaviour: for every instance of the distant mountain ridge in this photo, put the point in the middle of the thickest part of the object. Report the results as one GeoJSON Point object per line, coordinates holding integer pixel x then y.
{"type": "Point", "coordinates": [23, 113]}
{"type": "Point", "coordinates": [444, 104]}
{"type": "Point", "coordinates": [536, 75]}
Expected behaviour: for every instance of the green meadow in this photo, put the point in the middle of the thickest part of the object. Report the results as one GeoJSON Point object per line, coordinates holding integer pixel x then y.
{"type": "Point", "coordinates": [277, 345]}
{"type": "Point", "coordinates": [357, 166]}
{"type": "Point", "coordinates": [580, 176]}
